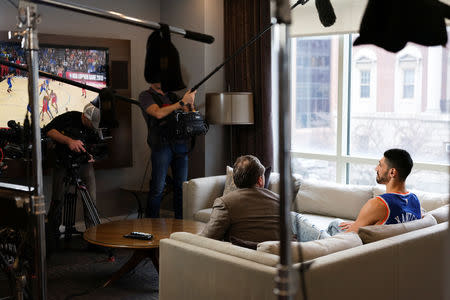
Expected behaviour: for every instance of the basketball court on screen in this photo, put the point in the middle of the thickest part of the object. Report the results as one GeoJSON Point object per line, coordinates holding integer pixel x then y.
{"type": "Point", "coordinates": [14, 104]}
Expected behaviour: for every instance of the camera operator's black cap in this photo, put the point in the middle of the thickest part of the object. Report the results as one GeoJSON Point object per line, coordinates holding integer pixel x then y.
{"type": "Point", "coordinates": [162, 61]}
{"type": "Point", "coordinates": [390, 24]}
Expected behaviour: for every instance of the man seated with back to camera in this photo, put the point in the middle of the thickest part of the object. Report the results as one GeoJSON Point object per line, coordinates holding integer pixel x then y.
{"type": "Point", "coordinates": [248, 215]}
{"type": "Point", "coordinates": [397, 205]}
{"type": "Point", "coordinates": [68, 130]}
{"type": "Point", "coordinates": [165, 152]}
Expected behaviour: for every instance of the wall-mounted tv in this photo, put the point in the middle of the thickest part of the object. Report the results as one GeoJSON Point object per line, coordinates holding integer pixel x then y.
{"type": "Point", "coordinates": [87, 65]}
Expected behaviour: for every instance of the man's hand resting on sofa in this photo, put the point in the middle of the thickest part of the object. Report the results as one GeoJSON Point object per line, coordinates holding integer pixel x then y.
{"type": "Point", "coordinates": [344, 226]}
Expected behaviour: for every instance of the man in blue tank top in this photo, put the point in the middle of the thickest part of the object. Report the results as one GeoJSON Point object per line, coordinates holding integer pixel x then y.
{"type": "Point", "coordinates": [397, 205]}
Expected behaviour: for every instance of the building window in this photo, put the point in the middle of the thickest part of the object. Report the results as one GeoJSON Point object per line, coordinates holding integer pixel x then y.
{"type": "Point", "coordinates": [312, 83]}
{"type": "Point", "coordinates": [409, 80]}
{"type": "Point", "coordinates": [314, 103]}
{"type": "Point", "coordinates": [364, 80]}
{"type": "Point", "coordinates": [364, 84]}
{"type": "Point", "coordinates": [408, 83]}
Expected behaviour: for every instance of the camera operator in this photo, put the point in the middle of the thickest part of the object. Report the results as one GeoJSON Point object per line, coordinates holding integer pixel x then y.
{"type": "Point", "coordinates": [165, 152]}
{"type": "Point", "coordinates": [68, 131]}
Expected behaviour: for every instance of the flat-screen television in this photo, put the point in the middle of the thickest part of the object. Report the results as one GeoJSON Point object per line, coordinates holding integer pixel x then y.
{"type": "Point", "coordinates": [87, 65]}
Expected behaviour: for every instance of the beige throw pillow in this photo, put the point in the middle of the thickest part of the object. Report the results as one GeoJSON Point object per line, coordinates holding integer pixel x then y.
{"type": "Point", "coordinates": [229, 182]}
{"type": "Point", "coordinates": [440, 214]}
{"type": "Point", "coordinates": [373, 233]}
{"type": "Point", "coordinates": [314, 249]}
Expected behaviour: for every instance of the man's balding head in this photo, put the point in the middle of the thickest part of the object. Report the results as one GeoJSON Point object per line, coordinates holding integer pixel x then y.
{"type": "Point", "coordinates": [246, 171]}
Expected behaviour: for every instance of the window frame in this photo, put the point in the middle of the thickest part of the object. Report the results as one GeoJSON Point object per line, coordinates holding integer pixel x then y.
{"type": "Point", "coordinates": [342, 156]}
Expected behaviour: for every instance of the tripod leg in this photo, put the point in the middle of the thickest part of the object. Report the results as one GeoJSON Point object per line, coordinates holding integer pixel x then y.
{"type": "Point", "coordinates": [69, 214]}
{"type": "Point", "coordinates": [89, 207]}
{"type": "Point", "coordinates": [54, 217]}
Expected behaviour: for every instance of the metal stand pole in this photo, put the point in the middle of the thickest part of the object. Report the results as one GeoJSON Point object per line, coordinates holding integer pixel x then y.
{"type": "Point", "coordinates": [285, 281]}
{"type": "Point", "coordinates": [28, 17]}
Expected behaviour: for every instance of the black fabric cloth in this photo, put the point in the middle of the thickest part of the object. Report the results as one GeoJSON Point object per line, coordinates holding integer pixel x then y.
{"type": "Point", "coordinates": [250, 71]}
{"type": "Point", "coordinates": [162, 61]}
{"type": "Point", "coordinates": [391, 24]}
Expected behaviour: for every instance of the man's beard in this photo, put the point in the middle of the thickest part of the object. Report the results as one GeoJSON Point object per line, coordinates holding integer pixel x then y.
{"type": "Point", "coordinates": [382, 179]}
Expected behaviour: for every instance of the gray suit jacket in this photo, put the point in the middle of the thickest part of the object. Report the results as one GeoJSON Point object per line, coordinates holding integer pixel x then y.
{"type": "Point", "coordinates": [250, 214]}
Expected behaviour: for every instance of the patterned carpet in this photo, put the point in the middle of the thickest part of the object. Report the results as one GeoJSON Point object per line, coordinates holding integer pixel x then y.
{"type": "Point", "coordinates": [77, 271]}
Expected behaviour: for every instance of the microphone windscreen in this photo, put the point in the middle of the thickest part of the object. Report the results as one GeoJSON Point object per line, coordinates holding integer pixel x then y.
{"type": "Point", "coordinates": [326, 12]}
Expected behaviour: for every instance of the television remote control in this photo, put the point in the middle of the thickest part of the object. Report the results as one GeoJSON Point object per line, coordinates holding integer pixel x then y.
{"type": "Point", "coordinates": [139, 235]}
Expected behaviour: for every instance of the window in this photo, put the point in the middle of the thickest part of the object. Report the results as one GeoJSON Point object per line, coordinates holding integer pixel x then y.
{"type": "Point", "coordinates": [411, 86]}
{"type": "Point", "coordinates": [314, 78]}
{"type": "Point", "coordinates": [371, 101]}
{"type": "Point", "coordinates": [312, 82]}
{"type": "Point", "coordinates": [408, 83]}
{"type": "Point", "coordinates": [364, 80]}
{"type": "Point", "coordinates": [365, 84]}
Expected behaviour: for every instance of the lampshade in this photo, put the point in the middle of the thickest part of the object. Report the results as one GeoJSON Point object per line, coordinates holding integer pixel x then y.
{"type": "Point", "coordinates": [229, 108]}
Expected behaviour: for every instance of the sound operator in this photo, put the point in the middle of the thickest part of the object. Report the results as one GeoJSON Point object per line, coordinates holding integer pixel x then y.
{"type": "Point", "coordinates": [68, 131]}
{"type": "Point", "coordinates": [165, 153]}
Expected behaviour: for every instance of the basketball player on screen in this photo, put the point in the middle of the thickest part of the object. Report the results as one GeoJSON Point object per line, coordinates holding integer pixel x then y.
{"type": "Point", "coordinates": [9, 80]}
{"type": "Point", "coordinates": [53, 99]}
{"type": "Point", "coordinates": [83, 91]}
{"type": "Point", "coordinates": [46, 108]}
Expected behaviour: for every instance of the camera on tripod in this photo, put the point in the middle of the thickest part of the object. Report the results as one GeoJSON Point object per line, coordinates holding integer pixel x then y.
{"type": "Point", "coordinates": [95, 143]}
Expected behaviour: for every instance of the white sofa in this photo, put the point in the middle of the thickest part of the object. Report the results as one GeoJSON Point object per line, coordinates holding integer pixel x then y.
{"type": "Point", "coordinates": [408, 265]}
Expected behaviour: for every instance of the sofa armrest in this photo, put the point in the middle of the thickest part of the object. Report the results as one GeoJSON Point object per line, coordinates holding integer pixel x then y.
{"type": "Point", "coordinates": [191, 272]}
{"type": "Point", "coordinates": [199, 193]}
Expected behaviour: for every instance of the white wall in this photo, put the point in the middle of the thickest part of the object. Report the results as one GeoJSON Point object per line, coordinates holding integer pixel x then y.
{"type": "Point", "coordinates": [197, 60]}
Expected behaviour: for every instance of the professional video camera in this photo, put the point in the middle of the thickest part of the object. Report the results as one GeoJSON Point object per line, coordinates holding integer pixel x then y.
{"type": "Point", "coordinates": [12, 140]}
{"type": "Point", "coordinates": [95, 143]}
{"type": "Point", "coordinates": [12, 143]}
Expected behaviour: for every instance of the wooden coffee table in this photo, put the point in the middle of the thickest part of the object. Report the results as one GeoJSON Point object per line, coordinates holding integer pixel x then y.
{"type": "Point", "coordinates": [111, 235]}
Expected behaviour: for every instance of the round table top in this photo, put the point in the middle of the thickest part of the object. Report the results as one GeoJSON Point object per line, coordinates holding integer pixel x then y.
{"type": "Point", "coordinates": [111, 234]}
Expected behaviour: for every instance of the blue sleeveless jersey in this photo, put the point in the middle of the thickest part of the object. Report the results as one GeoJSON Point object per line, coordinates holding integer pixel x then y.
{"type": "Point", "coordinates": [401, 208]}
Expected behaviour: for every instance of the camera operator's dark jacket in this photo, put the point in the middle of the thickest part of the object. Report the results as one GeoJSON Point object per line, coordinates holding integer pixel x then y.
{"type": "Point", "coordinates": [70, 125]}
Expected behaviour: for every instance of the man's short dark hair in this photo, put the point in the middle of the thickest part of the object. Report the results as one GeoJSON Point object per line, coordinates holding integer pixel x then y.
{"type": "Point", "coordinates": [400, 160]}
{"type": "Point", "coordinates": [246, 171]}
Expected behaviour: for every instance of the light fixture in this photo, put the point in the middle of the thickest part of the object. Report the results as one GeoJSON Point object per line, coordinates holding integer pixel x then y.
{"type": "Point", "coordinates": [230, 108]}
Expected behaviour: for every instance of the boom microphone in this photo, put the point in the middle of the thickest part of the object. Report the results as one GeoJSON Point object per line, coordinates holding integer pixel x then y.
{"type": "Point", "coordinates": [326, 12]}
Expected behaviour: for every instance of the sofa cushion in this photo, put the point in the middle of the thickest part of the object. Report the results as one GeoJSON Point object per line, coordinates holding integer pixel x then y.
{"type": "Point", "coordinates": [226, 248]}
{"type": "Point", "coordinates": [332, 199]}
{"type": "Point", "coordinates": [428, 201]}
{"type": "Point", "coordinates": [314, 249]}
{"type": "Point", "coordinates": [440, 214]}
{"type": "Point", "coordinates": [229, 182]}
{"type": "Point", "coordinates": [274, 184]}
{"type": "Point", "coordinates": [373, 233]}
{"type": "Point", "coordinates": [203, 215]}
